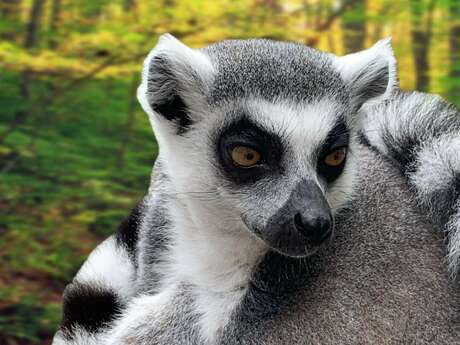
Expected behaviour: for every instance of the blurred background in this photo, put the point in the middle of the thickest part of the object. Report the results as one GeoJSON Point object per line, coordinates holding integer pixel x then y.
{"type": "Point", "coordinates": [75, 148]}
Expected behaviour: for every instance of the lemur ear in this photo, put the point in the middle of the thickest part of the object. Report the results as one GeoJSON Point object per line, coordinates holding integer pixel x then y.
{"type": "Point", "coordinates": [175, 77]}
{"type": "Point", "coordinates": [370, 74]}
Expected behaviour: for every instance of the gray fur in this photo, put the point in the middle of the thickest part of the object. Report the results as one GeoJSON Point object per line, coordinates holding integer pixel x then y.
{"type": "Point", "coordinates": [382, 280]}
{"type": "Point", "coordinates": [154, 234]}
{"type": "Point", "coordinates": [420, 134]}
{"type": "Point", "coordinates": [204, 271]}
{"type": "Point", "coordinates": [273, 71]}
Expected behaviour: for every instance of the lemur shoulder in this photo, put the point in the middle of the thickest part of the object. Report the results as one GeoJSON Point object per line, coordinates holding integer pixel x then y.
{"type": "Point", "coordinates": [281, 210]}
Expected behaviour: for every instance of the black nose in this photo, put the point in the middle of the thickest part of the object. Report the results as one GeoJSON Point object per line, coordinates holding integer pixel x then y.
{"type": "Point", "coordinates": [316, 228]}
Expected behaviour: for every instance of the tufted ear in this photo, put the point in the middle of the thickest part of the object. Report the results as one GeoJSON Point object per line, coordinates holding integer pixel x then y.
{"type": "Point", "coordinates": [370, 74]}
{"type": "Point", "coordinates": [174, 79]}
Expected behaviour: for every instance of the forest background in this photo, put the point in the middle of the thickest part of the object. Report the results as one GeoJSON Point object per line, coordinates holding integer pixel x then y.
{"type": "Point", "coordinates": [75, 148]}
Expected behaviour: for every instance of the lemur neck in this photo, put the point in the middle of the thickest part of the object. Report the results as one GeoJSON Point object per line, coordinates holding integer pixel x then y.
{"type": "Point", "coordinates": [217, 263]}
{"type": "Point", "coordinates": [212, 252]}
{"type": "Point", "coordinates": [213, 257]}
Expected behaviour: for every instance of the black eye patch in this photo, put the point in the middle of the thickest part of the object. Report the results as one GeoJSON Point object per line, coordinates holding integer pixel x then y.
{"type": "Point", "coordinates": [338, 137]}
{"type": "Point", "coordinates": [244, 132]}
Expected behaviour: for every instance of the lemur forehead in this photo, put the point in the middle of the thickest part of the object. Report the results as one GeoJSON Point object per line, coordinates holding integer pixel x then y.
{"type": "Point", "coordinates": [272, 70]}
{"type": "Point", "coordinates": [305, 126]}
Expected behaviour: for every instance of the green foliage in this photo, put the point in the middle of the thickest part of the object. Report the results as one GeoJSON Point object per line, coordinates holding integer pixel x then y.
{"type": "Point", "coordinates": [29, 319]}
{"type": "Point", "coordinates": [64, 191]}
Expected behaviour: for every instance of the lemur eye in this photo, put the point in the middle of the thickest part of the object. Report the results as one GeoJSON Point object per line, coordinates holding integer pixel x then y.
{"type": "Point", "coordinates": [336, 157]}
{"type": "Point", "coordinates": [245, 156]}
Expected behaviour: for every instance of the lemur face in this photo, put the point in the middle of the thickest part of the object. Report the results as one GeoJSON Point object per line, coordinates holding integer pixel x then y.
{"type": "Point", "coordinates": [258, 136]}
{"type": "Point", "coordinates": [287, 166]}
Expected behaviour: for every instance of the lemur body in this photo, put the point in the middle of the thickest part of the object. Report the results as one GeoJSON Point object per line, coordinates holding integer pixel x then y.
{"type": "Point", "coordinates": [225, 254]}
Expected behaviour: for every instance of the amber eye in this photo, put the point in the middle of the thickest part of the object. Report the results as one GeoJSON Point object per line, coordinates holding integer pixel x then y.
{"type": "Point", "coordinates": [245, 156]}
{"type": "Point", "coordinates": [336, 157]}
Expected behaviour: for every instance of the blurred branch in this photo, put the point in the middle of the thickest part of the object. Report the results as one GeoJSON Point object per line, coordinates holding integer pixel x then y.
{"type": "Point", "coordinates": [45, 102]}
{"type": "Point", "coordinates": [329, 21]}
{"type": "Point", "coordinates": [21, 116]}
{"type": "Point", "coordinates": [421, 33]}
{"type": "Point", "coordinates": [344, 6]}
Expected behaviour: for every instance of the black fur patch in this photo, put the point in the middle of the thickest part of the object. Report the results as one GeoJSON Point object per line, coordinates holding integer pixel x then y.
{"type": "Point", "coordinates": [127, 234]}
{"type": "Point", "coordinates": [444, 201]}
{"type": "Point", "coordinates": [371, 87]}
{"type": "Point", "coordinates": [175, 110]}
{"type": "Point", "coordinates": [362, 139]}
{"type": "Point", "coordinates": [171, 106]}
{"type": "Point", "coordinates": [401, 153]}
{"type": "Point", "coordinates": [457, 185]}
{"type": "Point", "coordinates": [274, 288]}
{"type": "Point", "coordinates": [88, 307]}
{"type": "Point", "coordinates": [244, 132]}
{"type": "Point", "coordinates": [338, 137]}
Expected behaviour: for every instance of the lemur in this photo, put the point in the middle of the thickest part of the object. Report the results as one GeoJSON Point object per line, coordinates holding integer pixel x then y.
{"type": "Point", "coordinates": [298, 198]}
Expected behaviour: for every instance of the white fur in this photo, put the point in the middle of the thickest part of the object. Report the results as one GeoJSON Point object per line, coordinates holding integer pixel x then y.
{"type": "Point", "coordinates": [216, 254]}
{"type": "Point", "coordinates": [373, 59]}
{"type": "Point", "coordinates": [135, 324]}
{"type": "Point", "coordinates": [307, 126]}
{"type": "Point", "coordinates": [453, 227]}
{"type": "Point", "coordinates": [439, 161]}
{"type": "Point", "coordinates": [434, 167]}
{"type": "Point", "coordinates": [212, 251]}
{"type": "Point", "coordinates": [438, 164]}
{"type": "Point", "coordinates": [109, 266]}
{"type": "Point", "coordinates": [182, 59]}
{"type": "Point", "coordinates": [399, 119]}
{"type": "Point", "coordinates": [79, 337]}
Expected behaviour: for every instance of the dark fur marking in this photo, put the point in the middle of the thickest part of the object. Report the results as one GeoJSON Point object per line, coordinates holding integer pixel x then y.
{"type": "Point", "coordinates": [175, 110]}
{"type": "Point", "coordinates": [274, 288]}
{"type": "Point", "coordinates": [156, 238]}
{"type": "Point", "coordinates": [362, 139]}
{"type": "Point", "coordinates": [338, 137]}
{"type": "Point", "coordinates": [457, 185]}
{"type": "Point", "coordinates": [127, 234]}
{"type": "Point", "coordinates": [402, 152]}
{"type": "Point", "coordinates": [88, 307]}
{"type": "Point", "coordinates": [172, 107]}
{"type": "Point", "coordinates": [443, 201]}
{"type": "Point", "coordinates": [372, 88]}
{"type": "Point", "coordinates": [246, 133]}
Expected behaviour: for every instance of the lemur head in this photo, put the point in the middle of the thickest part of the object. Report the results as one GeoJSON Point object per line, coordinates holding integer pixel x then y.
{"type": "Point", "coordinates": [257, 136]}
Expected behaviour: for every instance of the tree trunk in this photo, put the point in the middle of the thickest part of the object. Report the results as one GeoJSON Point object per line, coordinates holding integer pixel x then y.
{"type": "Point", "coordinates": [421, 37]}
{"type": "Point", "coordinates": [54, 23]}
{"type": "Point", "coordinates": [10, 11]}
{"type": "Point", "coordinates": [129, 4]}
{"type": "Point", "coordinates": [354, 27]}
{"type": "Point", "coordinates": [30, 42]}
{"type": "Point", "coordinates": [454, 45]}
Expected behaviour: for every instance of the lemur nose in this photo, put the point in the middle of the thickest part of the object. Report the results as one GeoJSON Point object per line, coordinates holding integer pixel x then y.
{"type": "Point", "coordinates": [316, 228]}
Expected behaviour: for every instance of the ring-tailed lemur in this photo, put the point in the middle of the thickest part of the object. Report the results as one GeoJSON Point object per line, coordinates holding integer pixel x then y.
{"type": "Point", "coordinates": [263, 152]}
